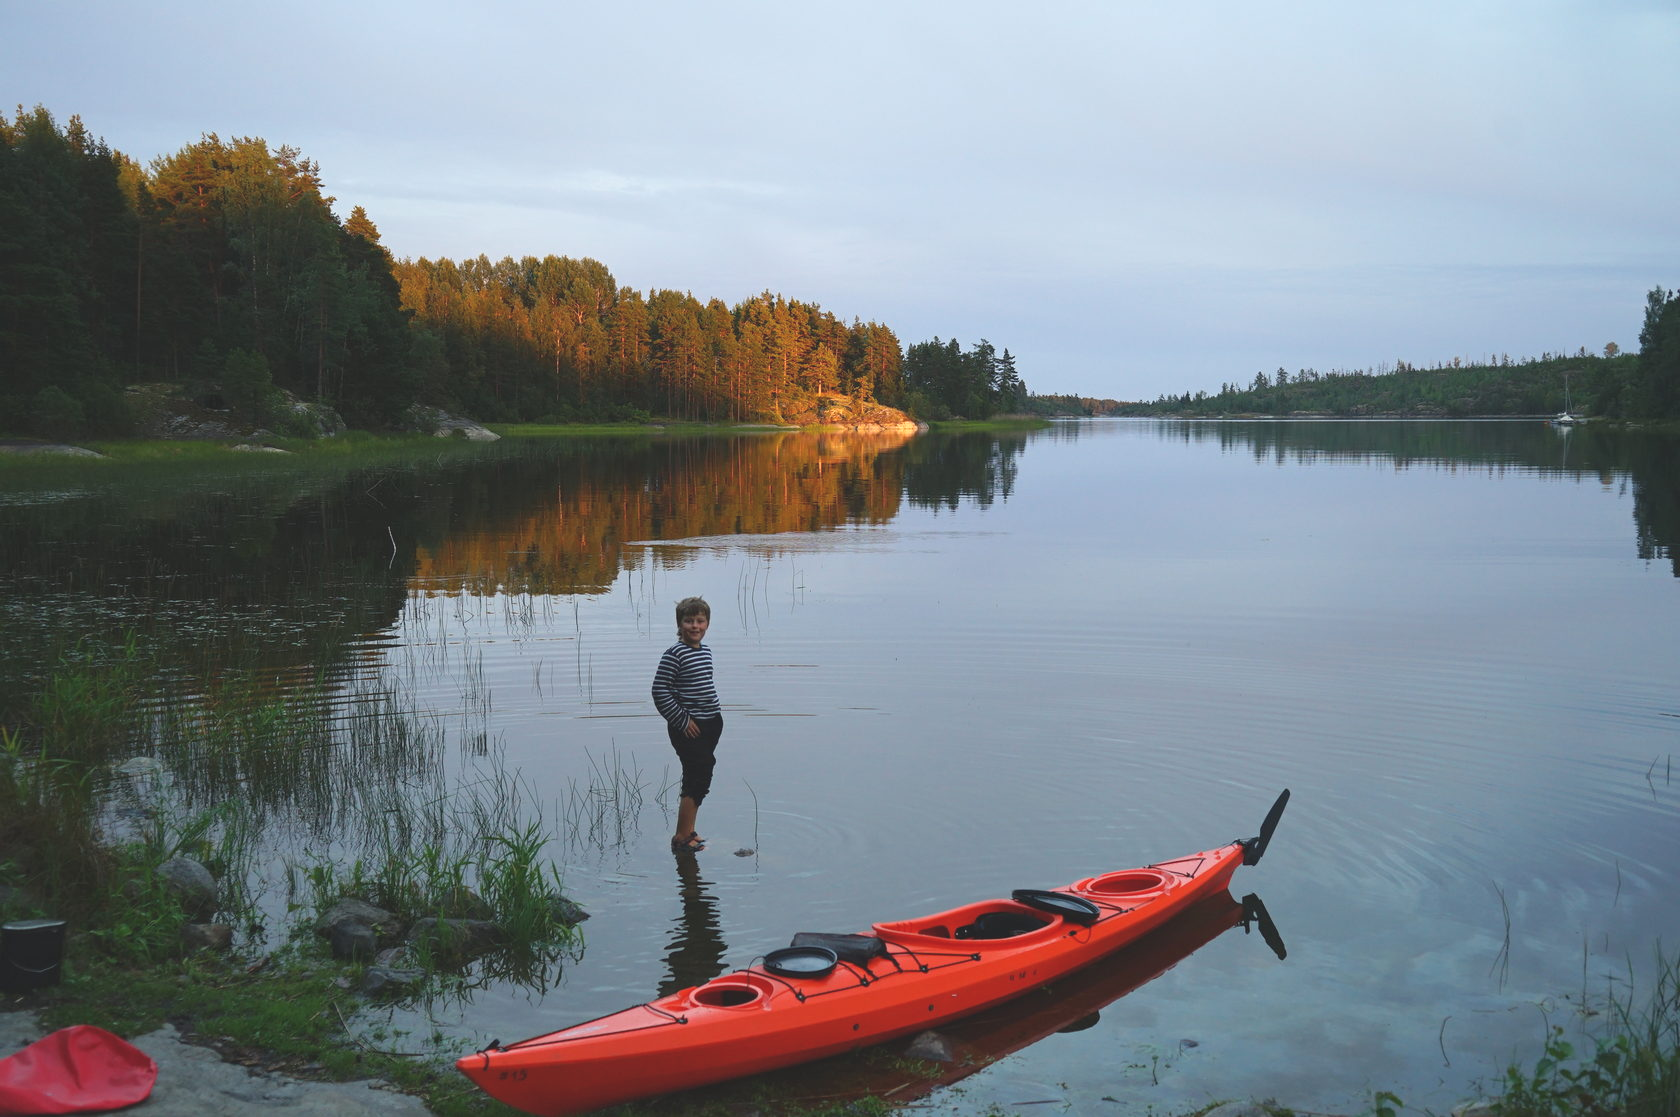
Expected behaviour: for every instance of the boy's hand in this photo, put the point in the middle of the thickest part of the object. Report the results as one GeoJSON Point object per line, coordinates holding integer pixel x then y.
{"type": "Point", "coordinates": [691, 729]}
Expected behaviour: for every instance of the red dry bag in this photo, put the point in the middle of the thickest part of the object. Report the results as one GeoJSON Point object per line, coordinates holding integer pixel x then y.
{"type": "Point", "coordinates": [75, 1070]}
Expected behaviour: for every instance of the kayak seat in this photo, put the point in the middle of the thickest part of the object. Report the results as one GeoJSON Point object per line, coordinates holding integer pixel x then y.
{"type": "Point", "coordinates": [1000, 925]}
{"type": "Point", "coordinates": [858, 949]}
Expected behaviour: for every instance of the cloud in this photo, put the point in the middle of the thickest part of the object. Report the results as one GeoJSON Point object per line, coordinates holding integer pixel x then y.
{"type": "Point", "coordinates": [1135, 198]}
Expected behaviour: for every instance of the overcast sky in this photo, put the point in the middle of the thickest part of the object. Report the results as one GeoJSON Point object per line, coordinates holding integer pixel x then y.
{"type": "Point", "coordinates": [1135, 198]}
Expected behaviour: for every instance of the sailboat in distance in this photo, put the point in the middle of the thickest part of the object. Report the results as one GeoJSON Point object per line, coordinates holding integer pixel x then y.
{"type": "Point", "coordinates": [1566, 417]}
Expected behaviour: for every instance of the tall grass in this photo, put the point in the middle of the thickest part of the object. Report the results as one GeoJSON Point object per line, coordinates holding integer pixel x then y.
{"type": "Point", "coordinates": [474, 852]}
{"type": "Point", "coordinates": [50, 808]}
{"type": "Point", "coordinates": [605, 814]}
{"type": "Point", "coordinates": [116, 770]}
{"type": "Point", "coordinates": [88, 704]}
{"type": "Point", "coordinates": [1631, 1070]}
{"type": "Point", "coordinates": [46, 823]}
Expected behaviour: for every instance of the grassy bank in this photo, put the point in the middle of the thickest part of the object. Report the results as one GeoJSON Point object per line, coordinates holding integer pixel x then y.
{"type": "Point", "coordinates": [287, 1016]}
{"type": "Point", "coordinates": [356, 448]}
{"type": "Point", "coordinates": [362, 448]}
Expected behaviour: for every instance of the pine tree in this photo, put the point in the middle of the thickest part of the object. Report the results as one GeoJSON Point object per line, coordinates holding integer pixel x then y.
{"type": "Point", "coordinates": [1657, 385]}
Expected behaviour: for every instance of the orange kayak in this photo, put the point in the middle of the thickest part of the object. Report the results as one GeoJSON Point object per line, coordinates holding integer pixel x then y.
{"type": "Point", "coordinates": [828, 994]}
{"type": "Point", "coordinates": [1071, 1004]}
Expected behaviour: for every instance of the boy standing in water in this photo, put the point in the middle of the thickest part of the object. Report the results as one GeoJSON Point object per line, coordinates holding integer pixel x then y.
{"type": "Point", "coordinates": [686, 697]}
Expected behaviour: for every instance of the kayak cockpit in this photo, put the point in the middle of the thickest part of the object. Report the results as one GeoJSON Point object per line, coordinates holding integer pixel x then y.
{"type": "Point", "coordinates": [990, 922]}
{"type": "Point", "coordinates": [742, 989]}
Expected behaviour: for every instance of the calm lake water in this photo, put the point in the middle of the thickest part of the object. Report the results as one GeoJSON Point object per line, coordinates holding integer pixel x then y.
{"type": "Point", "coordinates": [955, 665]}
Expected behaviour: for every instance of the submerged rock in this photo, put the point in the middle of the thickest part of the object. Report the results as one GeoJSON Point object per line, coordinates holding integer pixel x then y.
{"type": "Point", "coordinates": [455, 938]}
{"type": "Point", "coordinates": [351, 910]}
{"type": "Point", "coordinates": [352, 941]}
{"type": "Point", "coordinates": [931, 1046]}
{"type": "Point", "coordinates": [567, 912]}
{"type": "Point", "coordinates": [207, 936]}
{"type": "Point", "coordinates": [393, 957]}
{"type": "Point", "coordinates": [463, 903]}
{"type": "Point", "coordinates": [383, 979]}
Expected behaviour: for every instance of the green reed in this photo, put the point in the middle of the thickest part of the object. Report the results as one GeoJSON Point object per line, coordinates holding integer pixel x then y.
{"type": "Point", "coordinates": [606, 813]}
{"type": "Point", "coordinates": [474, 852]}
{"type": "Point", "coordinates": [119, 765]}
{"type": "Point", "coordinates": [1632, 1069]}
{"type": "Point", "coordinates": [88, 703]}
{"type": "Point", "coordinates": [46, 823]}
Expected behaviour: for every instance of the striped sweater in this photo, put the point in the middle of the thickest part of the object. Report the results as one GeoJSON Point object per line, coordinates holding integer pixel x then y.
{"type": "Point", "coordinates": [683, 687]}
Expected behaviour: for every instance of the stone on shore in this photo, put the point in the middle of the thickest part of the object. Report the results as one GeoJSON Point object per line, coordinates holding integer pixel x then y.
{"type": "Point", "coordinates": [191, 884]}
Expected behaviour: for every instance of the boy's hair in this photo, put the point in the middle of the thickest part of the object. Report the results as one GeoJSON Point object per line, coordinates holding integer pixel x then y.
{"type": "Point", "coordinates": [692, 607]}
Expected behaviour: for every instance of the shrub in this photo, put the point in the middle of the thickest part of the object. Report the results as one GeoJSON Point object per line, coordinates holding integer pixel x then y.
{"type": "Point", "coordinates": [55, 413]}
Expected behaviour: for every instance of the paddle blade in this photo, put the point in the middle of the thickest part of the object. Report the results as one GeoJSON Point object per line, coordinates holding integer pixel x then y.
{"type": "Point", "coordinates": [1255, 848]}
{"type": "Point", "coordinates": [1255, 915]}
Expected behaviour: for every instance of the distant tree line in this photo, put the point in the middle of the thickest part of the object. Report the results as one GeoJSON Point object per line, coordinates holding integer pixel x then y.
{"type": "Point", "coordinates": [1613, 384]}
{"type": "Point", "coordinates": [1529, 387]}
{"type": "Point", "coordinates": [1053, 406]}
{"type": "Point", "coordinates": [223, 267]}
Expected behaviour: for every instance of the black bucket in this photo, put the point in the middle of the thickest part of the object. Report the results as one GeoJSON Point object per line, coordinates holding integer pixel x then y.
{"type": "Point", "coordinates": [31, 952]}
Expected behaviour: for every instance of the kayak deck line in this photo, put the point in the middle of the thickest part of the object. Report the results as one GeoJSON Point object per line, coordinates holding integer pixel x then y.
{"type": "Point", "coordinates": [831, 993]}
{"type": "Point", "coordinates": [863, 977]}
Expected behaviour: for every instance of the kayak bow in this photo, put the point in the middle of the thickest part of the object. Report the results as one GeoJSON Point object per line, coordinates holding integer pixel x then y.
{"type": "Point", "coordinates": [827, 994]}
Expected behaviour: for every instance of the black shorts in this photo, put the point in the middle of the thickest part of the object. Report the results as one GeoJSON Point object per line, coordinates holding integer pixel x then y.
{"type": "Point", "coordinates": [698, 756]}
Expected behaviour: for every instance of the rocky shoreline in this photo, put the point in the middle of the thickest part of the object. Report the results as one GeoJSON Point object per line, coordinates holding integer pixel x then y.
{"type": "Point", "coordinates": [168, 412]}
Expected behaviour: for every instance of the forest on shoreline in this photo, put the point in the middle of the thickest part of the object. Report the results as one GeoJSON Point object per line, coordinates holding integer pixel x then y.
{"type": "Point", "coordinates": [223, 268]}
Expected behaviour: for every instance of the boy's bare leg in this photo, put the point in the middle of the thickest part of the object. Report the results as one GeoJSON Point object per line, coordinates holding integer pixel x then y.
{"type": "Point", "coordinates": [687, 811]}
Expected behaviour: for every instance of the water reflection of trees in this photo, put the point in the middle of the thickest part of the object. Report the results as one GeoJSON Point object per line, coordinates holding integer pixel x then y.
{"type": "Point", "coordinates": [1654, 465]}
{"type": "Point", "coordinates": [575, 519]}
{"type": "Point", "coordinates": [1527, 445]}
{"type": "Point", "coordinates": [942, 471]}
{"type": "Point", "coordinates": [572, 520]}
{"type": "Point", "coordinates": [1648, 461]}
{"type": "Point", "coordinates": [286, 568]}
{"type": "Point", "coordinates": [270, 571]}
